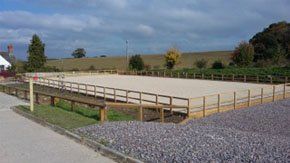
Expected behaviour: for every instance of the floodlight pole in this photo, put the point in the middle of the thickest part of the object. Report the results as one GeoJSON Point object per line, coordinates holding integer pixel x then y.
{"type": "Point", "coordinates": [127, 57]}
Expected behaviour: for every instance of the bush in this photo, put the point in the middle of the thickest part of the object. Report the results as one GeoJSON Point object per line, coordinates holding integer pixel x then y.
{"type": "Point", "coordinates": [172, 57]}
{"type": "Point", "coordinates": [218, 65]}
{"type": "Point", "coordinates": [201, 63]}
{"type": "Point", "coordinates": [136, 63]}
{"type": "Point", "coordinates": [243, 55]}
{"type": "Point", "coordinates": [92, 67]}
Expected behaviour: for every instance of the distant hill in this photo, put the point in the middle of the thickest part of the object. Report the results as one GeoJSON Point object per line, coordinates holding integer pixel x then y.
{"type": "Point", "coordinates": [155, 61]}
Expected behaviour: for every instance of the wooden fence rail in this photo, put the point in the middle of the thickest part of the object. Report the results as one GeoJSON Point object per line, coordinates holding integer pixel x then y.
{"type": "Point", "coordinates": [223, 77]}
{"type": "Point", "coordinates": [102, 105]}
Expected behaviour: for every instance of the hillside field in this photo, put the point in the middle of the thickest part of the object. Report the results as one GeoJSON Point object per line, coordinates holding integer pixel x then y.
{"type": "Point", "coordinates": [155, 61]}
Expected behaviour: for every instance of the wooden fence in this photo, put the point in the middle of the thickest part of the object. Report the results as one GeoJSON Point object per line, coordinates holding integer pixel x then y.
{"type": "Point", "coordinates": [116, 94]}
{"type": "Point", "coordinates": [102, 105]}
{"type": "Point", "coordinates": [222, 77]}
{"type": "Point", "coordinates": [198, 107]}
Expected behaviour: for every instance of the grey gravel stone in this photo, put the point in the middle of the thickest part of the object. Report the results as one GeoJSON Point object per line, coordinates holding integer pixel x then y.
{"type": "Point", "coordinates": [256, 134]}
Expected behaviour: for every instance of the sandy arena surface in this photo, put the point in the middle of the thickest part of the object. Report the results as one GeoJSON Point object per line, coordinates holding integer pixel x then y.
{"type": "Point", "coordinates": [184, 88]}
{"type": "Point", "coordinates": [187, 88]}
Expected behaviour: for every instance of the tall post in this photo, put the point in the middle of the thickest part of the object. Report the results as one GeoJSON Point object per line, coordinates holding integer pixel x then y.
{"type": "Point", "coordinates": [127, 57]}
{"type": "Point", "coordinates": [31, 94]}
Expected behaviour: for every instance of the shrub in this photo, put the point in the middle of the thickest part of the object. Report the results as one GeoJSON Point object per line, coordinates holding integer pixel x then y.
{"type": "Point", "coordinates": [136, 63]}
{"type": "Point", "coordinates": [244, 54]}
{"type": "Point", "coordinates": [172, 57]}
{"type": "Point", "coordinates": [218, 65]}
{"type": "Point", "coordinates": [92, 67]}
{"type": "Point", "coordinates": [201, 63]}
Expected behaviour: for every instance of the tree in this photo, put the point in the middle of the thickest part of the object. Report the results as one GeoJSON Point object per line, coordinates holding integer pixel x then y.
{"type": "Point", "coordinates": [172, 57]}
{"type": "Point", "coordinates": [272, 41]}
{"type": "Point", "coordinates": [218, 64]}
{"type": "Point", "coordinates": [79, 53]}
{"type": "Point", "coordinates": [201, 63]}
{"type": "Point", "coordinates": [36, 56]}
{"type": "Point", "coordinates": [136, 63]}
{"type": "Point", "coordinates": [244, 54]}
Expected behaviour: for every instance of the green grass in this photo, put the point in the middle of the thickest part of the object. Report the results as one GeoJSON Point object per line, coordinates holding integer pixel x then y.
{"type": "Point", "coordinates": [155, 61]}
{"type": "Point", "coordinates": [62, 116]}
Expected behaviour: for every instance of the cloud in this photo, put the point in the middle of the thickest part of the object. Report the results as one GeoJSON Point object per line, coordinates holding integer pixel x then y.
{"type": "Point", "coordinates": [26, 19]}
{"type": "Point", "coordinates": [145, 30]}
{"type": "Point", "coordinates": [102, 26]}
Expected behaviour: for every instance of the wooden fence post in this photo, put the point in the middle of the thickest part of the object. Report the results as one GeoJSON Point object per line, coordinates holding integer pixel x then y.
{"type": "Point", "coordinates": [115, 97]}
{"type": "Point", "coordinates": [219, 102]}
{"type": "Point", "coordinates": [95, 91]}
{"type": "Point", "coordinates": [102, 113]}
{"type": "Point", "coordinates": [212, 77]}
{"type": "Point", "coordinates": [274, 90]}
{"type": "Point", "coordinates": [162, 115]}
{"type": "Point", "coordinates": [204, 105]}
{"type": "Point", "coordinates": [52, 101]}
{"type": "Point", "coordinates": [186, 75]}
{"type": "Point", "coordinates": [188, 106]}
{"type": "Point", "coordinates": [284, 91]}
{"type": "Point", "coordinates": [258, 80]}
{"type": "Point", "coordinates": [286, 79]}
{"type": "Point", "coordinates": [31, 94]}
{"type": "Point", "coordinates": [86, 87]}
{"type": "Point", "coordinates": [233, 77]}
{"type": "Point", "coordinates": [245, 78]}
{"type": "Point", "coordinates": [36, 98]}
{"type": "Point", "coordinates": [170, 102]}
{"type": "Point", "coordinates": [262, 95]}
{"type": "Point", "coordinates": [249, 98]}
{"type": "Point", "coordinates": [193, 75]}
{"type": "Point", "coordinates": [127, 100]}
{"type": "Point", "coordinates": [202, 76]}
{"type": "Point", "coordinates": [140, 113]}
{"type": "Point", "coordinates": [235, 100]}
{"type": "Point", "coordinates": [104, 89]}
{"type": "Point", "coordinates": [178, 75]}
{"type": "Point", "coordinates": [271, 80]}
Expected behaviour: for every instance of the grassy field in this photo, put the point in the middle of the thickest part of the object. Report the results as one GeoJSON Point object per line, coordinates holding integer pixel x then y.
{"type": "Point", "coordinates": [155, 61]}
{"type": "Point", "coordinates": [62, 116]}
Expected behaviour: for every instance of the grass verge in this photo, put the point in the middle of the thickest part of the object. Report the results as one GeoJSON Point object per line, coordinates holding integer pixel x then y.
{"type": "Point", "coordinates": [63, 117]}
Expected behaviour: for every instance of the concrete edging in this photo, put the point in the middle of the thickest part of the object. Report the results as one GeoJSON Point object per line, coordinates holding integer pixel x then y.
{"type": "Point", "coordinates": [110, 153]}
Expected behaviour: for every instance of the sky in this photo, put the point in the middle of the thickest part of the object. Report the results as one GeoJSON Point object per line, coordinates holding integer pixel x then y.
{"type": "Point", "coordinates": [151, 26]}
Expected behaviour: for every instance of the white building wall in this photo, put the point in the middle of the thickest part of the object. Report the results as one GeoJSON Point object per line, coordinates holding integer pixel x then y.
{"type": "Point", "coordinates": [3, 63]}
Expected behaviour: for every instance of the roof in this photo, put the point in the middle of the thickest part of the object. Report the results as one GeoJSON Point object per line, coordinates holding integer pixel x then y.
{"type": "Point", "coordinates": [4, 62]}
{"type": "Point", "coordinates": [6, 56]}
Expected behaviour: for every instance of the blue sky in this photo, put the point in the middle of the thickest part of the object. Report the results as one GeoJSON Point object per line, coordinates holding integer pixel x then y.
{"type": "Point", "coordinates": [151, 26]}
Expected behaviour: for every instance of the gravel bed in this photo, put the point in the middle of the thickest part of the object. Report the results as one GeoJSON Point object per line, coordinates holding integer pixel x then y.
{"type": "Point", "coordinates": [257, 134]}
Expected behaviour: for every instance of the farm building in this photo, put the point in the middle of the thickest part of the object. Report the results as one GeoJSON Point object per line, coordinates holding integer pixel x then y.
{"type": "Point", "coordinates": [6, 58]}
